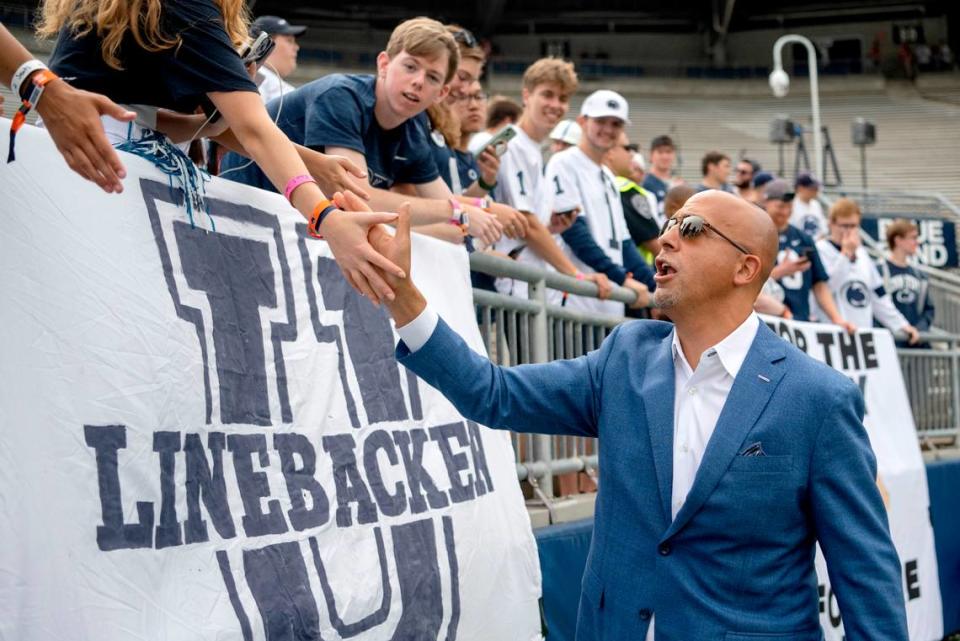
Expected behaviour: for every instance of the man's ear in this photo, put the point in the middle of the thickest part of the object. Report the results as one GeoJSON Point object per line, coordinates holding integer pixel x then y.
{"type": "Point", "coordinates": [382, 61]}
{"type": "Point", "coordinates": [524, 96]}
{"type": "Point", "coordinates": [748, 271]}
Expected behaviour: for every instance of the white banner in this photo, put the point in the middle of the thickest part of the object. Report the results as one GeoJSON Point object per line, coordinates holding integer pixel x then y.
{"type": "Point", "coordinates": [205, 435]}
{"type": "Point", "coordinates": [870, 359]}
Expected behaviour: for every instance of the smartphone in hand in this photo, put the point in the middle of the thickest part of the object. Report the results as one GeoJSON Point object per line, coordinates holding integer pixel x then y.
{"type": "Point", "coordinates": [500, 139]}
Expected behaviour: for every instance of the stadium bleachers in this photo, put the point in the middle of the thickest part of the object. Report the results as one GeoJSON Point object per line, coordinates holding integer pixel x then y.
{"type": "Point", "coordinates": [912, 153]}
{"type": "Point", "coordinates": [733, 115]}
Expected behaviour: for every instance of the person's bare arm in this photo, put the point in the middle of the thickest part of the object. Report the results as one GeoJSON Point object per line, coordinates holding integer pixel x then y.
{"type": "Point", "coordinates": [443, 231]}
{"type": "Point", "coordinates": [543, 244]}
{"type": "Point", "coordinates": [767, 304]}
{"type": "Point", "coordinates": [821, 291]}
{"type": "Point", "coordinates": [345, 232]}
{"type": "Point", "coordinates": [332, 173]}
{"type": "Point", "coordinates": [72, 118]}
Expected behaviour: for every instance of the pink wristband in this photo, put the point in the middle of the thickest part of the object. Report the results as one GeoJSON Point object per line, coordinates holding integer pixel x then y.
{"type": "Point", "coordinates": [295, 182]}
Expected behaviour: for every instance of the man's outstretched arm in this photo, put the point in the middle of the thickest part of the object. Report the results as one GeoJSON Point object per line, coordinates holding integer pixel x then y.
{"type": "Point", "coordinates": [552, 398]}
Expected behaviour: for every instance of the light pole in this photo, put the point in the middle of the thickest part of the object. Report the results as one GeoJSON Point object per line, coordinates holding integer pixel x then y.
{"type": "Point", "coordinates": [780, 84]}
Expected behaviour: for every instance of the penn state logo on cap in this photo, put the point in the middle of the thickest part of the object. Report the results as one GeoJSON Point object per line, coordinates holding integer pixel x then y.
{"type": "Point", "coordinates": [606, 104]}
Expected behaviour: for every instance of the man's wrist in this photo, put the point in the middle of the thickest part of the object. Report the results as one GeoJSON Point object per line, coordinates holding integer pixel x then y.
{"type": "Point", "coordinates": [407, 305]}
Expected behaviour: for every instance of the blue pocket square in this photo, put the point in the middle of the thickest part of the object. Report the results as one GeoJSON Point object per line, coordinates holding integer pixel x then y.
{"type": "Point", "coordinates": [754, 450]}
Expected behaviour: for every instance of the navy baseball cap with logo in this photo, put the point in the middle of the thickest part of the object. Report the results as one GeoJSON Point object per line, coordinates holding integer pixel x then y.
{"type": "Point", "coordinates": [276, 25]}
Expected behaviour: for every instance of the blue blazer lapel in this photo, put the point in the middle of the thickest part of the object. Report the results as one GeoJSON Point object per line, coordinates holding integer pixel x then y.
{"type": "Point", "coordinates": [748, 398]}
{"type": "Point", "coordinates": [657, 393]}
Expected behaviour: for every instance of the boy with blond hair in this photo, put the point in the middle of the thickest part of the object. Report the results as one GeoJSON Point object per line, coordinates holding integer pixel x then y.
{"type": "Point", "coordinates": [369, 119]}
{"type": "Point", "coordinates": [548, 85]}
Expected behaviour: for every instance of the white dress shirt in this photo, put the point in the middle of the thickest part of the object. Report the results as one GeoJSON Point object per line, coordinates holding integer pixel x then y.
{"type": "Point", "coordinates": [699, 396]}
{"type": "Point", "coordinates": [417, 332]}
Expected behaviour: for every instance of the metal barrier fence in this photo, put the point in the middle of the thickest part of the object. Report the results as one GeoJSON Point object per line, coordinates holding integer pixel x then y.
{"type": "Point", "coordinates": [932, 379]}
{"type": "Point", "coordinates": [534, 330]}
{"type": "Point", "coordinates": [898, 204]}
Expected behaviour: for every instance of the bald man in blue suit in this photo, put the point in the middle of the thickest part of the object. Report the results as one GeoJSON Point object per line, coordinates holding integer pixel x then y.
{"type": "Point", "coordinates": [725, 452]}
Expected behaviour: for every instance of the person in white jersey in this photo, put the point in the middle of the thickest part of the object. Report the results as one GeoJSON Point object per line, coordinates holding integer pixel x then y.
{"type": "Point", "coordinates": [547, 86]}
{"type": "Point", "coordinates": [577, 180]}
{"type": "Point", "coordinates": [807, 214]}
{"type": "Point", "coordinates": [855, 281]}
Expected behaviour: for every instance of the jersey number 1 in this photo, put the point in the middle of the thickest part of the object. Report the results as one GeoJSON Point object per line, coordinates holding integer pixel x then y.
{"type": "Point", "coordinates": [556, 181]}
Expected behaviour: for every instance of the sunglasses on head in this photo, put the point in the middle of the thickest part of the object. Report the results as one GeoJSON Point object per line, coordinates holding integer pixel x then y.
{"type": "Point", "coordinates": [465, 38]}
{"type": "Point", "coordinates": [692, 226]}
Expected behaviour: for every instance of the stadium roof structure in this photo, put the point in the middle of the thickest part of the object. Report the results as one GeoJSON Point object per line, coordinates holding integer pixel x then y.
{"type": "Point", "coordinates": [492, 17]}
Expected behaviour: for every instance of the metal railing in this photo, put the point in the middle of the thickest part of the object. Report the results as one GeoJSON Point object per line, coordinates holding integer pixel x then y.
{"type": "Point", "coordinates": [897, 204]}
{"type": "Point", "coordinates": [532, 330]}
{"type": "Point", "coordinates": [931, 376]}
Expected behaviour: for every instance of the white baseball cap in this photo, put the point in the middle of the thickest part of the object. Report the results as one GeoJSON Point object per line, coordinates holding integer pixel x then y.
{"type": "Point", "coordinates": [605, 103]}
{"type": "Point", "coordinates": [567, 131]}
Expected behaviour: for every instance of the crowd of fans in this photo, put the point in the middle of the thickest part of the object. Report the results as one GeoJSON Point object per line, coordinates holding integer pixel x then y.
{"type": "Point", "coordinates": [519, 180]}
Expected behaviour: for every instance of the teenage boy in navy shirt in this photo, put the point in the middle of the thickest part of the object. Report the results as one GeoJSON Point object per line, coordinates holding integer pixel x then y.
{"type": "Point", "coordinates": [799, 270]}
{"type": "Point", "coordinates": [907, 285]}
{"type": "Point", "coordinates": [369, 119]}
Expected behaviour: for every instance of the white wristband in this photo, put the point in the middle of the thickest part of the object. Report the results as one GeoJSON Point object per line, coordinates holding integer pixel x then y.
{"type": "Point", "coordinates": [22, 73]}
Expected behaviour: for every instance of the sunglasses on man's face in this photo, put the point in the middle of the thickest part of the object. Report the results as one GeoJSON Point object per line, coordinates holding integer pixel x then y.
{"type": "Point", "coordinates": [465, 38]}
{"type": "Point", "coordinates": [692, 226]}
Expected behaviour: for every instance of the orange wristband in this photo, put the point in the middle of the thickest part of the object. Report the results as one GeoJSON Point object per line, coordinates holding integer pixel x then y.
{"type": "Point", "coordinates": [323, 209]}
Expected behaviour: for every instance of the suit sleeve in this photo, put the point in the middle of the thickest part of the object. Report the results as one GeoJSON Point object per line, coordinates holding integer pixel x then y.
{"type": "Point", "coordinates": [560, 397]}
{"type": "Point", "coordinates": [850, 521]}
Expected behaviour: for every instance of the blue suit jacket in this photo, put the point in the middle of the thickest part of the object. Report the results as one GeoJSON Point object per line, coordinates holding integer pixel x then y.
{"type": "Point", "coordinates": [737, 564]}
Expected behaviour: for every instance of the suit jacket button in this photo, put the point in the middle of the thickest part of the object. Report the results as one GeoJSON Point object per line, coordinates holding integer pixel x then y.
{"type": "Point", "coordinates": [665, 549]}
{"type": "Point", "coordinates": [645, 614]}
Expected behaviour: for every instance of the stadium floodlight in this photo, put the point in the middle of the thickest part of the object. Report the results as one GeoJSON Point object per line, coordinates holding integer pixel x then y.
{"type": "Point", "coordinates": [780, 85]}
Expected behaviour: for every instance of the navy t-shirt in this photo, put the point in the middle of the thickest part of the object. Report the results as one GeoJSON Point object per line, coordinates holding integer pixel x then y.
{"type": "Point", "coordinates": [458, 169]}
{"type": "Point", "coordinates": [177, 78]}
{"type": "Point", "coordinates": [796, 287]}
{"type": "Point", "coordinates": [656, 186]}
{"type": "Point", "coordinates": [337, 111]}
{"type": "Point", "coordinates": [908, 289]}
